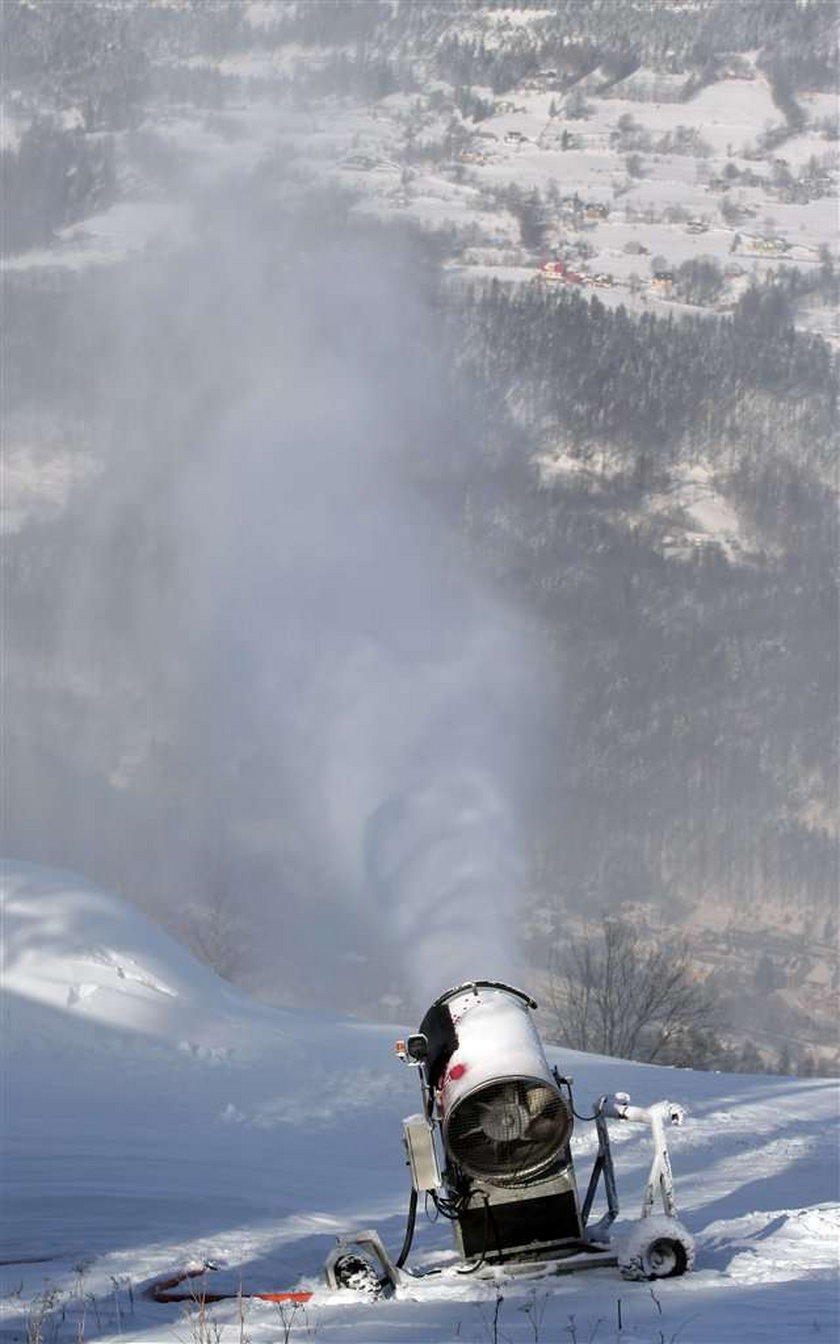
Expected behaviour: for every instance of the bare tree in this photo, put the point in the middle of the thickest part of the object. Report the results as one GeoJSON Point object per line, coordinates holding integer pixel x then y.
{"type": "Point", "coordinates": [211, 928]}
{"type": "Point", "coordinates": [614, 991]}
{"type": "Point", "coordinates": [576, 105]}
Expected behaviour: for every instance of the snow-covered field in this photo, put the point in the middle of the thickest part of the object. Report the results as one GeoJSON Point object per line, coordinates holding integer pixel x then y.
{"type": "Point", "coordinates": [153, 1117]}
{"type": "Point", "coordinates": [704, 186]}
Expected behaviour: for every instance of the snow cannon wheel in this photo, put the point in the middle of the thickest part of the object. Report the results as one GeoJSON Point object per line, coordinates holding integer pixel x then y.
{"type": "Point", "coordinates": [360, 1263]}
{"type": "Point", "coordinates": [657, 1248]}
{"type": "Point", "coordinates": [357, 1274]}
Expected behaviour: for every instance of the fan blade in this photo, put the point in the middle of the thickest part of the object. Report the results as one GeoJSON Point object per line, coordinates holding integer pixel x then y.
{"type": "Point", "coordinates": [473, 1129]}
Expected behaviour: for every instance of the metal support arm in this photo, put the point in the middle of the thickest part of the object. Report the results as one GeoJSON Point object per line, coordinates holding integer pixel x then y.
{"type": "Point", "coordinates": [603, 1166]}
{"type": "Point", "coordinates": [660, 1177]}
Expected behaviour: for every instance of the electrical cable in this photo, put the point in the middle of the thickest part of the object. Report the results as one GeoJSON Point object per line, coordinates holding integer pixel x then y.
{"type": "Point", "coordinates": [429, 1217]}
{"type": "Point", "coordinates": [449, 1208]}
{"type": "Point", "coordinates": [473, 1269]}
{"type": "Point", "coordinates": [409, 1230]}
{"type": "Point", "coordinates": [598, 1109]}
{"type": "Point", "coordinates": [489, 1221]}
{"type": "Point", "coordinates": [566, 1082]}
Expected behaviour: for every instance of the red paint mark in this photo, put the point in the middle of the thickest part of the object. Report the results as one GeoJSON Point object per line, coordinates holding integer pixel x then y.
{"type": "Point", "coordinates": [457, 1071]}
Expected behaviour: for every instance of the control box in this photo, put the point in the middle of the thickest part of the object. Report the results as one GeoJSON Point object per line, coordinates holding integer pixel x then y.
{"type": "Point", "coordinates": [418, 1136]}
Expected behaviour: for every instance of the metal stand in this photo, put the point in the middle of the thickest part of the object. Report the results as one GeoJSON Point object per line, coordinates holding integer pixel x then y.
{"type": "Point", "coordinates": [660, 1177]}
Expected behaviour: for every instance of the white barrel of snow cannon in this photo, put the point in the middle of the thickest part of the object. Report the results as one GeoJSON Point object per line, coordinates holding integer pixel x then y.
{"type": "Point", "coordinates": [503, 1118]}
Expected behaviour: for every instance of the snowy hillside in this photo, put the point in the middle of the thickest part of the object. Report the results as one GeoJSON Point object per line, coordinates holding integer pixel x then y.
{"type": "Point", "coordinates": [512, 207]}
{"type": "Point", "coordinates": [153, 1117]}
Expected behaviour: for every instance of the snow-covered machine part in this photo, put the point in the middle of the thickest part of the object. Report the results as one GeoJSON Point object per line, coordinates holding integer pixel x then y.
{"type": "Point", "coordinates": [657, 1247]}
{"type": "Point", "coordinates": [360, 1262]}
{"type": "Point", "coordinates": [504, 1119]}
{"type": "Point", "coordinates": [660, 1177]}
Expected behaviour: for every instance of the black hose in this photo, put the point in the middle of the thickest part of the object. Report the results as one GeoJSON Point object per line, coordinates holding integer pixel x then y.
{"type": "Point", "coordinates": [489, 1221]}
{"type": "Point", "coordinates": [473, 1269]}
{"type": "Point", "coordinates": [449, 1208]}
{"type": "Point", "coordinates": [409, 1230]}
{"type": "Point", "coordinates": [599, 1106]}
{"type": "Point", "coordinates": [566, 1082]}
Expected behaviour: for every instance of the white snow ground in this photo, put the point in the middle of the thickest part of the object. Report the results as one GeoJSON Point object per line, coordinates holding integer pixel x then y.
{"type": "Point", "coordinates": [152, 1116]}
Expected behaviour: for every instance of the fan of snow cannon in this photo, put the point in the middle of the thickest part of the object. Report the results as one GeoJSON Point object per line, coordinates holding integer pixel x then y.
{"type": "Point", "coordinates": [508, 1133]}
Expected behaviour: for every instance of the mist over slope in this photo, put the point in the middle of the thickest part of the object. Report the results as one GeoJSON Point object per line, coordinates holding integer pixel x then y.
{"type": "Point", "coordinates": [354, 579]}
{"type": "Point", "coordinates": [266, 642]}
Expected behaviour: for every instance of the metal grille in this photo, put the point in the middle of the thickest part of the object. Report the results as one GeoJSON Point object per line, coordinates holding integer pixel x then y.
{"type": "Point", "coordinates": [508, 1133]}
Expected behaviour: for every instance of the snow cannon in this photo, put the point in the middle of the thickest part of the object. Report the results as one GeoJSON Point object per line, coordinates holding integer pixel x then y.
{"type": "Point", "coordinates": [490, 1152]}
{"type": "Point", "coordinates": [503, 1119]}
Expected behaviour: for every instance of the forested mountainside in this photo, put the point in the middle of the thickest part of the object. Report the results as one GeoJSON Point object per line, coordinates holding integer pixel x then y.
{"type": "Point", "coordinates": [651, 490]}
{"type": "Point", "coordinates": [696, 760]}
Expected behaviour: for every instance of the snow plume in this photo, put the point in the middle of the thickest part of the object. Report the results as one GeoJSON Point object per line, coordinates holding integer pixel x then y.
{"type": "Point", "coordinates": [419, 797]}
{"type": "Point", "coordinates": [272, 685]}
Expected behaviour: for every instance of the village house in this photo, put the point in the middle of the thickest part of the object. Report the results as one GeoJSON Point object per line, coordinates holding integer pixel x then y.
{"type": "Point", "coordinates": [559, 271]}
{"type": "Point", "coordinates": [545, 81]}
{"type": "Point", "coordinates": [663, 281]}
{"type": "Point", "coordinates": [552, 270]}
{"type": "Point", "coordinates": [770, 246]}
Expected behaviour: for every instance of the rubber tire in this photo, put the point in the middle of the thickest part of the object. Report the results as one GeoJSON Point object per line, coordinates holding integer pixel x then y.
{"type": "Point", "coordinates": [666, 1253]}
{"type": "Point", "coordinates": [358, 1275]}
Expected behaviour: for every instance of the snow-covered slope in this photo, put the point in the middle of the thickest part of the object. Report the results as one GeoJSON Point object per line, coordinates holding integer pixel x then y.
{"type": "Point", "coordinates": [70, 946]}
{"type": "Point", "coordinates": [151, 1116]}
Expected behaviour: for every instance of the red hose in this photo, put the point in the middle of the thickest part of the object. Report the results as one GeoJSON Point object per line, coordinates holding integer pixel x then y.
{"type": "Point", "coordinates": [161, 1291]}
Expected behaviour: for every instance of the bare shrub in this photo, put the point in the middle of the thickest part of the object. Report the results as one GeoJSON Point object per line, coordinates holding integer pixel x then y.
{"type": "Point", "coordinates": [615, 990]}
